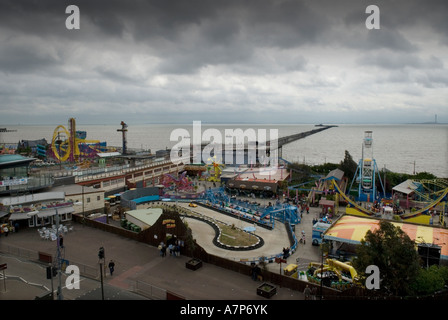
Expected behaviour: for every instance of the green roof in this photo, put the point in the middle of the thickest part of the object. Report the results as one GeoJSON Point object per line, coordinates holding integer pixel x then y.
{"type": "Point", "coordinates": [148, 216]}
{"type": "Point", "coordinates": [14, 160]}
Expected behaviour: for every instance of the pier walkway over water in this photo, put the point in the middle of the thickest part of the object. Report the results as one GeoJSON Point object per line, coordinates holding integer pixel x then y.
{"type": "Point", "coordinates": [244, 147]}
{"type": "Point", "coordinates": [293, 137]}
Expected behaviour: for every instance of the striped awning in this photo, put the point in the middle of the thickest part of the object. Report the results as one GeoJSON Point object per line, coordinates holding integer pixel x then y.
{"type": "Point", "coordinates": [46, 213]}
{"type": "Point", "coordinates": [65, 210]}
{"type": "Point", "coordinates": [19, 216]}
{"type": "Point", "coordinates": [352, 229]}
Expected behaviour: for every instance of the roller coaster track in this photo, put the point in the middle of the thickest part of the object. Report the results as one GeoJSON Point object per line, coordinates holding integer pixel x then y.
{"type": "Point", "coordinates": [441, 183]}
{"type": "Point", "coordinates": [404, 216]}
{"type": "Point", "coordinates": [65, 149]}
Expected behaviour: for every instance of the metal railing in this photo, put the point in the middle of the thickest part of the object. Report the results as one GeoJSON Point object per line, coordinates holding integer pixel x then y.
{"type": "Point", "coordinates": [149, 290]}
{"type": "Point", "coordinates": [32, 182]}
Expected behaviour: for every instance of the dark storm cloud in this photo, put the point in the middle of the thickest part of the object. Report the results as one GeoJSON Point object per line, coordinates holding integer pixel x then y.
{"type": "Point", "coordinates": [202, 55]}
{"type": "Point", "coordinates": [187, 34]}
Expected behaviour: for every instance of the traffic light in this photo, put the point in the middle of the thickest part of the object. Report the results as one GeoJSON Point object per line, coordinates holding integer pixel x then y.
{"type": "Point", "coordinates": [51, 272]}
{"type": "Point", "coordinates": [101, 253]}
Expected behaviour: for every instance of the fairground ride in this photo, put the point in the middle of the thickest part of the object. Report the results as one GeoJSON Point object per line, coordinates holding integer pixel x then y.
{"type": "Point", "coordinates": [181, 183]}
{"type": "Point", "coordinates": [367, 172]}
{"type": "Point", "coordinates": [333, 273]}
{"type": "Point", "coordinates": [216, 167]}
{"type": "Point", "coordinates": [71, 145]}
{"type": "Point", "coordinates": [433, 192]}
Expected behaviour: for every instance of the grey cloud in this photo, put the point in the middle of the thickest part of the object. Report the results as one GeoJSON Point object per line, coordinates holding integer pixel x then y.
{"type": "Point", "coordinates": [150, 56]}
{"type": "Point", "coordinates": [393, 61]}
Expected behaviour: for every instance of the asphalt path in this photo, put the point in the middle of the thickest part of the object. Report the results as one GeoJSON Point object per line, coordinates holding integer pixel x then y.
{"type": "Point", "coordinates": [274, 240]}
{"type": "Point", "coordinates": [140, 263]}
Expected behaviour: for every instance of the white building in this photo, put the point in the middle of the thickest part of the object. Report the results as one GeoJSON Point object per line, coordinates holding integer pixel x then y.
{"type": "Point", "coordinates": [85, 199]}
{"type": "Point", "coordinates": [38, 209]}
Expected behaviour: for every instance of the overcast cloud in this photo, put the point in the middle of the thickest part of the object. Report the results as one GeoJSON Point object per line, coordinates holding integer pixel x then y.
{"type": "Point", "coordinates": [267, 61]}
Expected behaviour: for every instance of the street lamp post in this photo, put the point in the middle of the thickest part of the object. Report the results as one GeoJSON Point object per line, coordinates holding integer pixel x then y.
{"type": "Point", "coordinates": [101, 256]}
{"type": "Point", "coordinates": [60, 297]}
{"type": "Point", "coordinates": [323, 246]}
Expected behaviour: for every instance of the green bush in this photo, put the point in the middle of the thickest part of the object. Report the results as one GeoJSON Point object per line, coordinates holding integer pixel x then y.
{"type": "Point", "coordinates": [430, 280]}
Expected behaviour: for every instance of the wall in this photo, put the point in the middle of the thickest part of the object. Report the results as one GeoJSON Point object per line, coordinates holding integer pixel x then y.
{"type": "Point", "coordinates": [158, 231]}
{"type": "Point", "coordinates": [88, 203]}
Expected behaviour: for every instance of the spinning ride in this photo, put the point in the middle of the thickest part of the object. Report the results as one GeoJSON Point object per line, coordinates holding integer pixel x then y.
{"type": "Point", "coordinates": [179, 184]}
{"type": "Point", "coordinates": [71, 144]}
{"type": "Point", "coordinates": [216, 169]}
{"type": "Point", "coordinates": [433, 192]}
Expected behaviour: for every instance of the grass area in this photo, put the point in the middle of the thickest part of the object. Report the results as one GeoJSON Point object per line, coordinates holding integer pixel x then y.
{"type": "Point", "coordinates": [232, 236]}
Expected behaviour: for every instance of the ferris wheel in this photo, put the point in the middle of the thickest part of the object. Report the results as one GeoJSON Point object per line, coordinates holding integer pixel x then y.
{"type": "Point", "coordinates": [367, 173]}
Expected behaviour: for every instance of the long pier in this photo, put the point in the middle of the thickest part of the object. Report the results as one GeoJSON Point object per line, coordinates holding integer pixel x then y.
{"type": "Point", "coordinates": [293, 137]}
{"type": "Point", "coordinates": [280, 141]}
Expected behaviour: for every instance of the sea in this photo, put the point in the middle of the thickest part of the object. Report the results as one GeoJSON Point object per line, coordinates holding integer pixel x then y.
{"type": "Point", "coordinates": [404, 148]}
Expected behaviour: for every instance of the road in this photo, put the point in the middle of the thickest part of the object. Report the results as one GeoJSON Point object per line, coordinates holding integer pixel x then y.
{"type": "Point", "coordinates": [138, 263]}
{"type": "Point", "coordinates": [27, 279]}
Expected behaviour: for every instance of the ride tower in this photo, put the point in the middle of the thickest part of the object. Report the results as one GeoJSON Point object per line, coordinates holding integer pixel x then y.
{"type": "Point", "coordinates": [367, 172]}
{"type": "Point", "coordinates": [124, 130]}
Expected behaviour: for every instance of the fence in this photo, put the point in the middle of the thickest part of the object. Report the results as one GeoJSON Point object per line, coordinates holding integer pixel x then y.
{"type": "Point", "coordinates": [150, 291]}
{"type": "Point", "coordinates": [19, 252]}
{"type": "Point", "coordinates": [85, 270]}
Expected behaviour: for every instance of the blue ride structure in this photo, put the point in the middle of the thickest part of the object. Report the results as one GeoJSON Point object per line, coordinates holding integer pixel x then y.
{"type": "Point", "coordinates": [367, 172]}
{"type": "Point", "coordinates": [252, 210]}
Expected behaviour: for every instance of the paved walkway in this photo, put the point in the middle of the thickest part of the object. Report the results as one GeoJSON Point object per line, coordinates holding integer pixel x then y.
{"type": "Point", "coordinates": [141, 263]}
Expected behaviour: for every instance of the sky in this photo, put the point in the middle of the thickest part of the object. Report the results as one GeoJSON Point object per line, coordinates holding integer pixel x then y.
{"type": "Point", "coordinates": [226, 61]}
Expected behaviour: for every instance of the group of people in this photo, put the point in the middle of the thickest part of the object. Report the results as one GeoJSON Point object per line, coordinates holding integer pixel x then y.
{"type": "Point", "coordinates": [5, 229]}
{"type": "Point", "coordinates": [174, 249]}
{"type": "Point", "coordinates": [310, 294]}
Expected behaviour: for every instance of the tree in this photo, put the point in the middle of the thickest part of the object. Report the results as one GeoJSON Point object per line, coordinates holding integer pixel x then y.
{"type": "Point", "coordinates": [430, 280]}
{"type": "Point", "coordinates": [393, 252]}
{"type": "Point", "coordinates": [348, 165]}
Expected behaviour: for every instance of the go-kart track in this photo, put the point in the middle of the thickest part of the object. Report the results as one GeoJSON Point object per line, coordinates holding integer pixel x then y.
{"type": "Point", "coordinates": [274, 240]}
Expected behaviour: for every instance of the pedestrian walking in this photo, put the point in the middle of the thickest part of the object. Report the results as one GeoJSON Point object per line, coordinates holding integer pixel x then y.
{"type": "Point", "coordinates": [160, 247]}
{"type": "Point", "coordinates": [307, 292]}
{"type": "Point", "coordinates": [313, 293]}
{"type": "Point", "coordinates": [6, 231]}
{"type": "Point", "coordinates": [111, 267]}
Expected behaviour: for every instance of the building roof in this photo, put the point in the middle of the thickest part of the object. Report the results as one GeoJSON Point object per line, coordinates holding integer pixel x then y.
{"type": "Point", "coordinates": [108, 154]}
{"type": "Point", "coordinates": [352, 229]}
{"type": "Point", "coordinates": [75, 189]}
{"type": "Point", "coordinates": [335, 174]}
{"type": "Point", "coordinates": [34, 143]}
{"type": "Point", "coordinates": [406, 187]}
{"type": "Point", "coordinates": [264, 175]}
{"type": "Point", "coordinates": [147, 216]}
{"type": "Point", "coordinates": [14, 160]}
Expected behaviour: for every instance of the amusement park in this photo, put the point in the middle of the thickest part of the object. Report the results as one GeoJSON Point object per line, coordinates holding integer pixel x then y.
{"type": "Point", "coordinates": [293, 226]}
